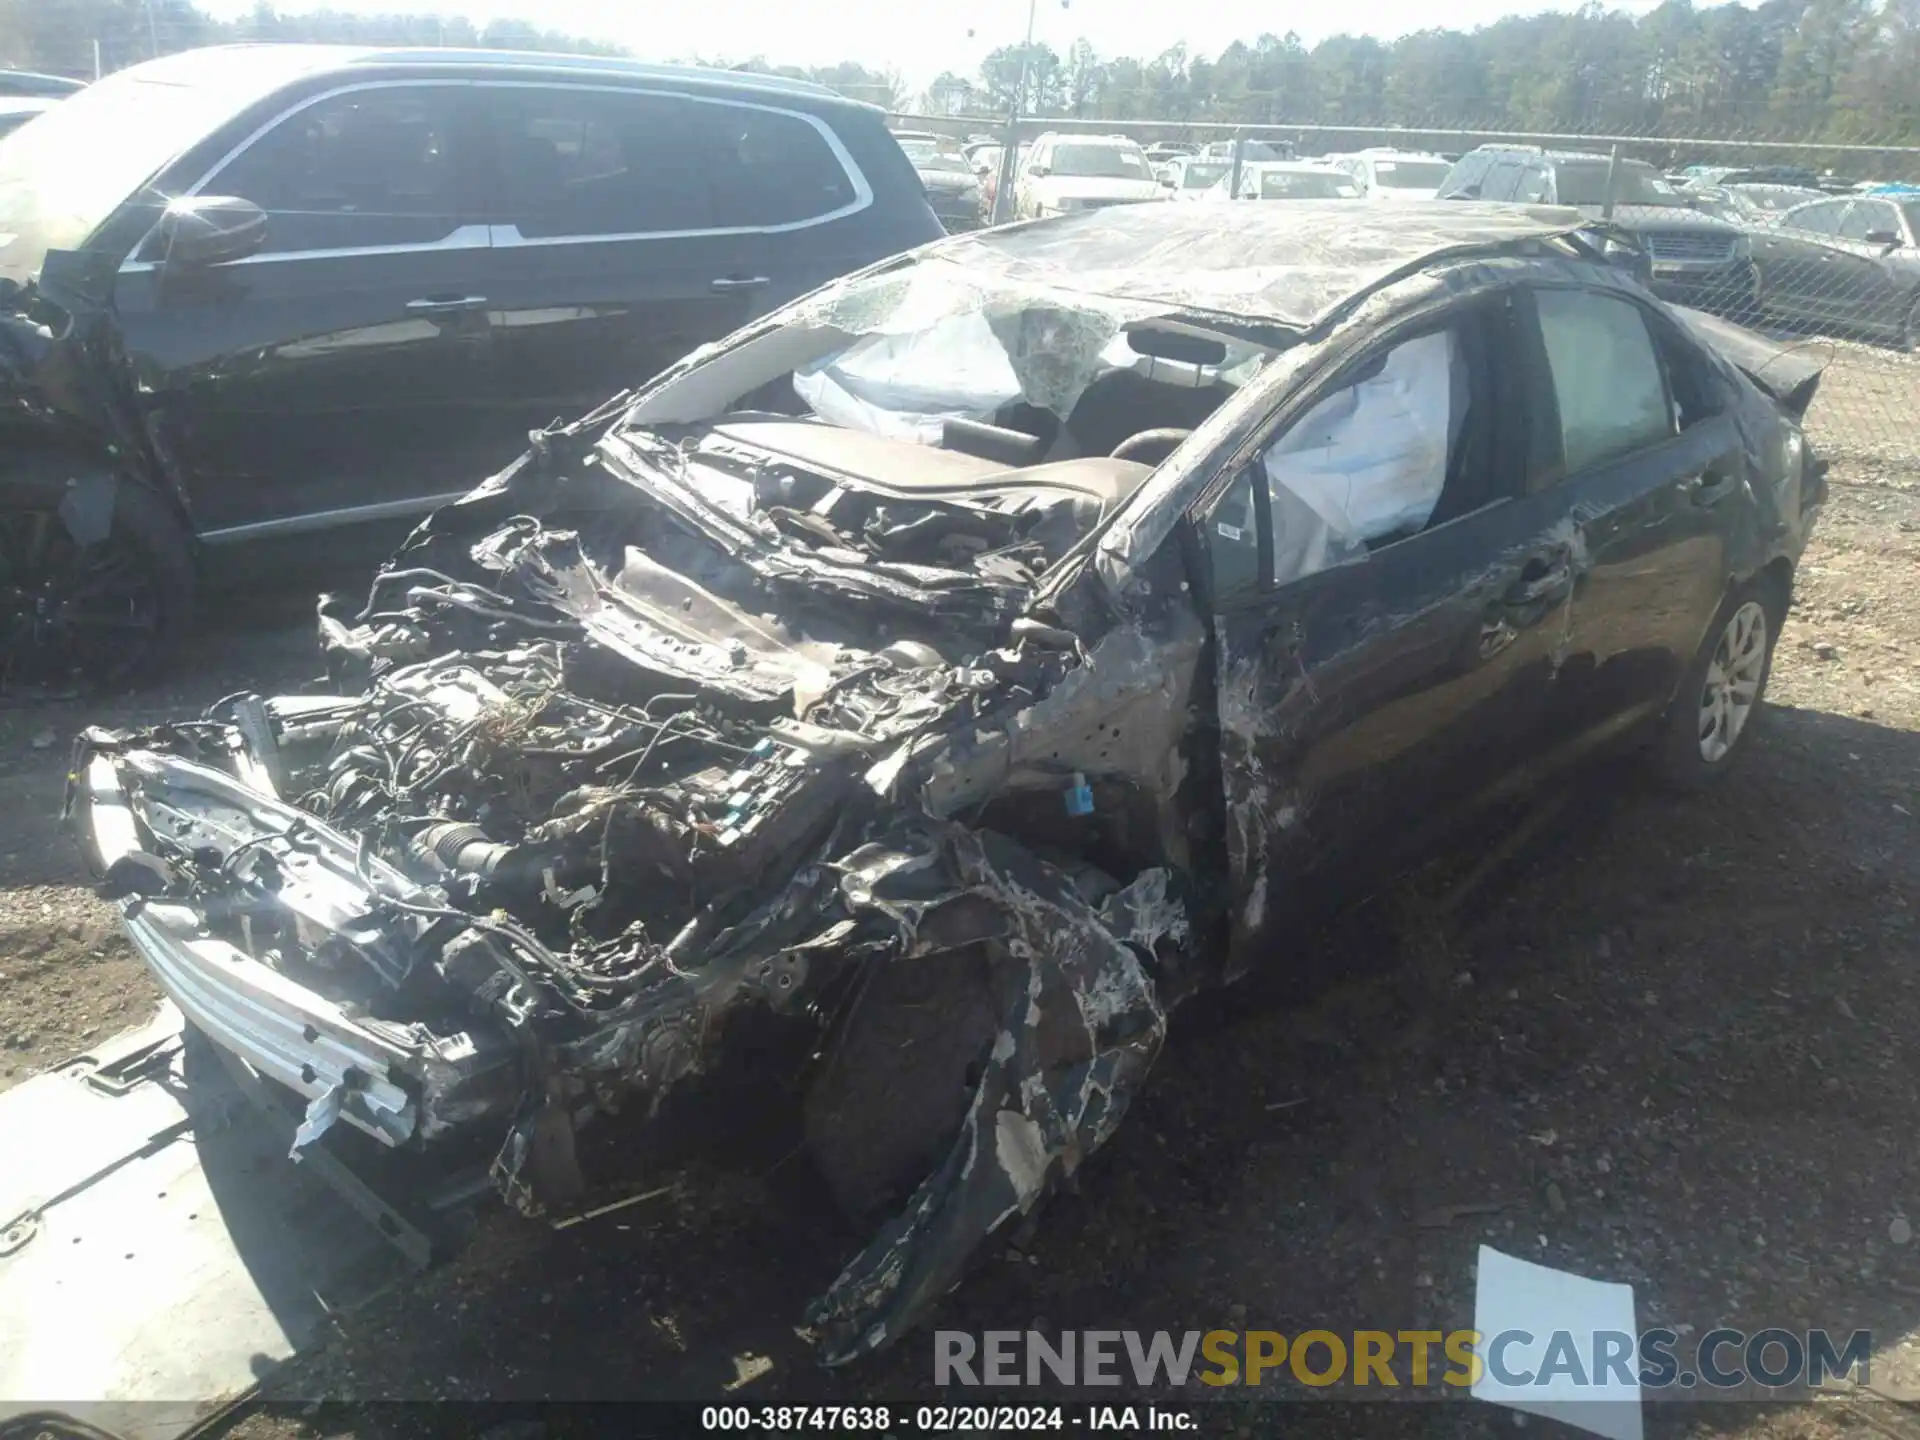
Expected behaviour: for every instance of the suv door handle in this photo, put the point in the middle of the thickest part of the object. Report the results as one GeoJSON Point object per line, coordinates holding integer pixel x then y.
{"type": "Point", "coordinates": [446, 304]}
{"type": "Point", "coordinates": [741, 282]}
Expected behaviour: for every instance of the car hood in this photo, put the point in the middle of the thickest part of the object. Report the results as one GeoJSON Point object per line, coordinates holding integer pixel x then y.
{"type": "Point", "coordinates": [1084, 187]}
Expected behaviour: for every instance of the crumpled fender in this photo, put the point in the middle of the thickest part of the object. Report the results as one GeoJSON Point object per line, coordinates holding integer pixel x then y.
{"type": "Point", "coordinates": [1081, 1025]}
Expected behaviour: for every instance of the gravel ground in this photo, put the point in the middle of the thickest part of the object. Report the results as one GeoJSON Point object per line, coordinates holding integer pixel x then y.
{"type": "Point", "coordinates": [1668, 1043]}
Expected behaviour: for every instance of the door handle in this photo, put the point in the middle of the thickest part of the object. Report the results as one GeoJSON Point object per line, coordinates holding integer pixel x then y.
{"type": "Point", "coordinates": [1710, 488]}
{"type": "Point", "coordinates": [446, 304]}
{"type": "Point", "coordinates": [1545, 577]}
{"type": "Point", "coordinates": [741, 282]}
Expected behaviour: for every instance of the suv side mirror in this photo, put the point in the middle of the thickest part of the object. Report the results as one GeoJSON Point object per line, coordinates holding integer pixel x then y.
{"type": "Point", "coordinates": [1887, 238]}
{"type": "Point", "coordinates": [209, 230]}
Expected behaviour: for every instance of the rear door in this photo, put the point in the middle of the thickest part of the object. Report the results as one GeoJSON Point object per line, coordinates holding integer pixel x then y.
{"type": "Point", "coordinates": [1795, 261]}
{"type": "Point", "coordinates": [632, 226]}
{"type": "Point", "coordinates": [1389, 602]}
{"type": "Point", "coordinates": [341, 373]}
{"type": "Point", "coordinates": [1870, 287]}
{"type": "Point", "coordinates": [1647, 455]}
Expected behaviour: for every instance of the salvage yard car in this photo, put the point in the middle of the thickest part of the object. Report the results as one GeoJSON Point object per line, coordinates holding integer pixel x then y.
{"type": "Point", "coordinates": [936, 682]}
{"type": "Point", "coordinates": [1690, 257]}
{"type": "Point", "coordinates": [268, 301]}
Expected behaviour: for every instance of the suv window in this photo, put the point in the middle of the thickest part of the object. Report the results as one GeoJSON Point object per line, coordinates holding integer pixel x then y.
{"type": "Point", "coordinates": [1818, 219]}
{"type": "Point", "coordinates": [370, 167]}
{"type": "Point", "coordinates": [1607, 380]}
{"type": "Point", "coordinates": [576, 161]}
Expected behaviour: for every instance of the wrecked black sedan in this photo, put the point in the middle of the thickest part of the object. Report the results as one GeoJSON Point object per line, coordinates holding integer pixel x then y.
{"type": "Point", "coordinates": [955, 670]}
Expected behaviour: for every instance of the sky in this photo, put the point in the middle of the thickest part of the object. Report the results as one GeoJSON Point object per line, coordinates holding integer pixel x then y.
{"type": "Point", "coordinates": [921, 41]}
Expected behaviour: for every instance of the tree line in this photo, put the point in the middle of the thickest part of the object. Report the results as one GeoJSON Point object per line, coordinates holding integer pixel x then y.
{"type": "Point", "coordinates": [1838, 71]}
{"type": "Point", "coordinates": [1803, 70]}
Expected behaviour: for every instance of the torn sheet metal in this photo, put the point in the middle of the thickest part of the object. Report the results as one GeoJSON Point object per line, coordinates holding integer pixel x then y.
{"type": "Point", "coordinates": [1081, 1025]}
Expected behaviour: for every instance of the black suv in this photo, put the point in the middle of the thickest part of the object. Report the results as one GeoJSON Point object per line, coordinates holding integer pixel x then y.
{"type": "Point", "coordinates": [276, 301]}
{"type": "Point", "coordinates": [1688, 257]}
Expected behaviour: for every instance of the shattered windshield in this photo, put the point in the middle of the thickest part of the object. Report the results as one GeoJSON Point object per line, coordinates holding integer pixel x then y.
{"type": "Point", "coordinates": [906, 350]}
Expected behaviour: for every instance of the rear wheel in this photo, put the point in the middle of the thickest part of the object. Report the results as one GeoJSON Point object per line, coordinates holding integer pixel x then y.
{"type": "Point", "coordinates": [96, 580]}
{"type": "Point", "coordinates": [1910, 327]}
{"type": "Point", "coordinates": [1714, 709]}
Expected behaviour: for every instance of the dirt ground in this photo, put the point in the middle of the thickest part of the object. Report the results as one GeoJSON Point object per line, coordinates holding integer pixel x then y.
{"type": "Point", "coordinates": [1670, 1043]}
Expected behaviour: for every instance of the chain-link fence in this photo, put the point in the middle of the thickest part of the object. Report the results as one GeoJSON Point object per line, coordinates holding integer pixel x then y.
{"type": "Point", "coordinates": [1816, 244]}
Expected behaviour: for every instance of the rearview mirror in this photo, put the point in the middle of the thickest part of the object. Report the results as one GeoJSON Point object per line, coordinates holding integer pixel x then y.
{"type": "Point", "coordinates": [208, 230]}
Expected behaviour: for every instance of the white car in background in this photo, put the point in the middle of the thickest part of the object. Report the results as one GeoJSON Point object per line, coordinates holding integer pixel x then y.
{"type": "Point", "coordinates": [1065, 173]}
{"type": "Point", "coordinates": [1287, 180]}
{"type": "Point", "coordinates": [1385, 174]}
{"type": "Point", "coordinates": [1187, 177]}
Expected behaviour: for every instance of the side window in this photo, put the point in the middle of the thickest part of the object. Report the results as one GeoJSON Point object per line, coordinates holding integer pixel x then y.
{"type": "Point", "coordinates": [365, 168]}
{"type": "Point", "coordinates": [578, 161]}
{"type": "Point", "coordinates": [1607, 380]}
{"type": "Point", "coordinates": [1500, 181]}
{"type": "Point", "coordinates": [772, 169]}
{"type": "Point", "coordinates": [1821, 219]}
{"type": "Point", "coordinates": [1374, 461]}
{"type": "Point", "coordinates": [1533, 185]}
{"type": "Point", "coordinates": [1867, 216]}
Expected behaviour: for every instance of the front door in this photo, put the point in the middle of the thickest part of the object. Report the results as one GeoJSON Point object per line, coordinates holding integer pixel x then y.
{"type": "Point", "coordinates": [342, 373]}
{"type": "Point", "coordinates": [1389, 606]}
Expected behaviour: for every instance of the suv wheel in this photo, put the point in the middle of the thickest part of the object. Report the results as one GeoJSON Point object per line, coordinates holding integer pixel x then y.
{"type": "Point", "coordinates": [78, 614]}
{"type": "Point", "coordinates": [1714, 709]}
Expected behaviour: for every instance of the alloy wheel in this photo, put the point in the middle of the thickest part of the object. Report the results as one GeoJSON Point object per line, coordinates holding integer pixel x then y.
{"type": "Point", "coordinates": [1732, 687]}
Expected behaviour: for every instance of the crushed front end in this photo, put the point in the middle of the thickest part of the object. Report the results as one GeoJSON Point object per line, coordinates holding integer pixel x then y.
{"type": "Point", "coordinates": [654, 732]}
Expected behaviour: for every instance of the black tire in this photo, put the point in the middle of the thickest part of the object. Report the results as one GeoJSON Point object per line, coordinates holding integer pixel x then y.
{"type": "Point", "coordinates": [1683, 750]}
{"type": "Point", "coordinates": [1910, 327]}
{"type": "Point", "coordinates": [78, 617]}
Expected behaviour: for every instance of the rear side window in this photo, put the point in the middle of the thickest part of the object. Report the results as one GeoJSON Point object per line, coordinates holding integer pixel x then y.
{"type": "Point", "coordinates": [581, 162]}
{"type": "Point", "coordinates": [1821, 219]}
{"type": "Point", "coordinates": [366, 168]}
{"type": "Point", "coordinates": [1867, 216]}
{"type": "Point", "coordinates": [1607, 380]}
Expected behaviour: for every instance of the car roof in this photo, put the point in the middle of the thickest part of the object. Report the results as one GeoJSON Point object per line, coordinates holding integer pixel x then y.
{"type": "Point", "coordinates": [296, 61]}
{"type": "Point", "coordinates": [1289, 265]}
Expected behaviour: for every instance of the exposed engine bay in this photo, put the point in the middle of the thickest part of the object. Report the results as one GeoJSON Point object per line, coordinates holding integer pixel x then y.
{"type": "Point", "coordinates": [657, 728]}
